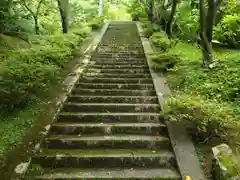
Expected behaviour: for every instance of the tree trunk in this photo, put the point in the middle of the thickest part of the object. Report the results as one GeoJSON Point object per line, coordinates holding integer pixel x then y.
{"type": "Point", "coordinates": [170, 21]}
{"type": "Point", "coordinates": [206, 50]}
{"type": "Point", "coordinates": [63, 9]}
{"type": "Point", "coordinates": [150, 10]}
{"type": "Point", "coordinates": [36, 24]}
{"type": "Point", "coordinates": [205, 43]}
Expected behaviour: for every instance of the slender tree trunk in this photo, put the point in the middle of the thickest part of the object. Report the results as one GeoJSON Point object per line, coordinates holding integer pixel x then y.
{"type": "Point", "coordinates": [205, 43]}
{"type": "Point", "coordinates": [63, 9]}
{"type": "Point", "coordinates": [36, 24]}
{"type": "Point", "coordinates": [34, 14]}
{"type": "Point", "coordinates": [170, 21]}
{"type": "Point", "coordinates": [150, 10]}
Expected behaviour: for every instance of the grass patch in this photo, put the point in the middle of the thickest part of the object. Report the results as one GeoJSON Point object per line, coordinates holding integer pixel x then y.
{"type": "Point", "coordinates": [15, 124]}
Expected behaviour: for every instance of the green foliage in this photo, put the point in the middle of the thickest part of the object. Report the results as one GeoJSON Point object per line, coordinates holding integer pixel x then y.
{"type": "Point", "coordinates": [96, 23]}
{"type": "Point", "coordinates": [208, 99]}
{"type": "Point", "coordinates": [149, 29]}
{"type": "Point", "coordinates": [164, 62]}
{"type": "Point", "coordinates": [187, 22]}
{"type": "Point", "coordinates": [82, 11]}
{"type": "Point", "coordinates": [160, 40]}
{"type": "Point", "coordinates": [27, 72]}
{"type": "Point", "coordinates": [136, 10]}
{"type": "Point", "coordinates": [205, 119]}
{"type": "Point", "coordinates": [13, 126]}
{"type": "Point", "coordinates": [22, 80]}
{"type": "Point", "coordinates": [228, 30]}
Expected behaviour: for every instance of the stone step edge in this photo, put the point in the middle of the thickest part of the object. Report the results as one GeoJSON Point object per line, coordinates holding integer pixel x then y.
{"type": "Point", "coordinates": [111, 174]}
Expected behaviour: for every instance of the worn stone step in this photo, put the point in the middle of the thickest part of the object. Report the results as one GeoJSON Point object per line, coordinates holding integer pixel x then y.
{"type": "Point", "coordinates": [110, 49]}
{"type": "Point", "coordinates": [113, 92]}
{"type": "Point", "coordinates": [108, 128]}
{"type": "Point", "coordinates": [110, 107]}
{"type": "Point", "coordinates": [116, 55]}
{"type": "Point", "coordinates": [119, 49]}
{"type": "Point", "coordinates": [117, 62]}
{"type": "Point", "coordinates": [115, 66]}
{"type": "Point", "coordinates": [105, 159]}
{"type": "Point", "coordinates": [139, 46]}
{"type": "Point", "coordinates": [107, 117]}
{"type": "Point", "coordinates": [117, 80]}
{"type": "Point", "coordinates": [107, 75]}
{"type": "Point", "coordinates": [115, 86]}
{"type": "Point", "coordinates": [111, 174]}
{"type": "Point", "coordinates": [119, 59]}
{"type": "Point", "coordinates": [110, 142]}
{"type": "Point", "coordinates": [118, 70]}
{"type": "Point", "coordinates": [113, 99]}
{"type": "Point", "coordinates": [125, 43]}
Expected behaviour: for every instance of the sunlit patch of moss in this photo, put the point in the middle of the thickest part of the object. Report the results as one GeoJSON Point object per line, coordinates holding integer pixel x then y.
{"type": "Point", "coordinates": [230, 163]}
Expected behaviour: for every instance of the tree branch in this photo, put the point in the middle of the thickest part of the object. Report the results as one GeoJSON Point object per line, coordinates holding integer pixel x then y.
{"type": "Point", "coordinates": [26, 6]}
{"type": "Point", "coordinates": [39, 6]}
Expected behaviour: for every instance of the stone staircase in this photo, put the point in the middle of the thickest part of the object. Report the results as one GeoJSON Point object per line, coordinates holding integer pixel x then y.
{"type": "Point", "coordinates": [109, 128]}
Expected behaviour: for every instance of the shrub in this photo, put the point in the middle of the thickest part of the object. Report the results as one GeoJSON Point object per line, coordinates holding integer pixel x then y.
{"type": "Point", "coordinates": [136, 10]}
{"type": "Point", "coordinates": [149, 29]}
{"type": "Point", "coordinates": [96, 23]}
{"type": "Point", "coordinates": [164, 62]}
{"type": "Point", "coordinates": [228, 30]}
{"type": "Point", "coordinates": [187, 22]}
{"type": "Point", "coordinates": [160, 40]}
{"type": "Point", "coordinates": [25, 73]}
{"type": "Point", "coordinates": [204, 119]}
{"type": "Point", "coordinates": [20, 81]}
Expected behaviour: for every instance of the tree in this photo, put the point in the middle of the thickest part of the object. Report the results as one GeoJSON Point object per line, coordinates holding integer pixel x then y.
{"type": "Point", "coordinates": [63, 9]}
{"type": "Point", "coordinates": [30, 5]}
{"type": "Point", "coordinates": [5, 15]}
{"type": "Point", "coordinates": [149, 8]}
{"type": "Point", "coordinates": [207, 21]}
{"type": "Point", "coordinates": [171, 18]}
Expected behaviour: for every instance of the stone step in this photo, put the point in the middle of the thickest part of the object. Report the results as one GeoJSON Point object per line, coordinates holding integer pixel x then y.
{"type": "Point", "coordinates": [116, 80]}
{"type": "Point", "coordinates": [117, 62]}
{"type": "Point", "coordinates": [116, 55]}
{"type": "Point", "coordinates": [110, 142]}
{"type": "Point", "coordinates": [104, 159]}
{"type": "Point", "coordinates": [113, 92]}
{"type": "Point", "coordinates": [108, 128]}
{"type": "Point", "coordinates": [109, 118]}
{"type": "Point", "coordinates": [119, 59]}
{"type": "Point", "coordinates": [111, 174]}
{"type": "Point", "coordinates": [115, 66]}
{"type": "Point", "coordinates": [114, 86]}
{"type": "Point", "coordinates": [118, 43]}
{"type": "Point", "coordinates": [111, 107]}
{"type": "Point", "coordinates": [119, 50]}
{"type": "Point", "coordinates": [113, 99]}
{"type": "Point", "coordinates": [107, 75]}
{"type": "Point", "coordinates": [118, 70]}
{"type": "Point", "coordinates": [113, 51]}
{"type": "Point", "coordinates": [139, 46]}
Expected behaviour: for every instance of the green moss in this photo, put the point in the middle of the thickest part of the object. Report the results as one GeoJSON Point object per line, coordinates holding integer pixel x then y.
{"type": "Point", "coordinates": [164, 62]}
{"type": "Point", "coordinates": [96, 23]}
{"type": "Point", "coordinates": [229, 162]}
{"type": "Point", "coordinates": [160, 41]}
{"type": "Point", "coordinates": [33, 171]}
